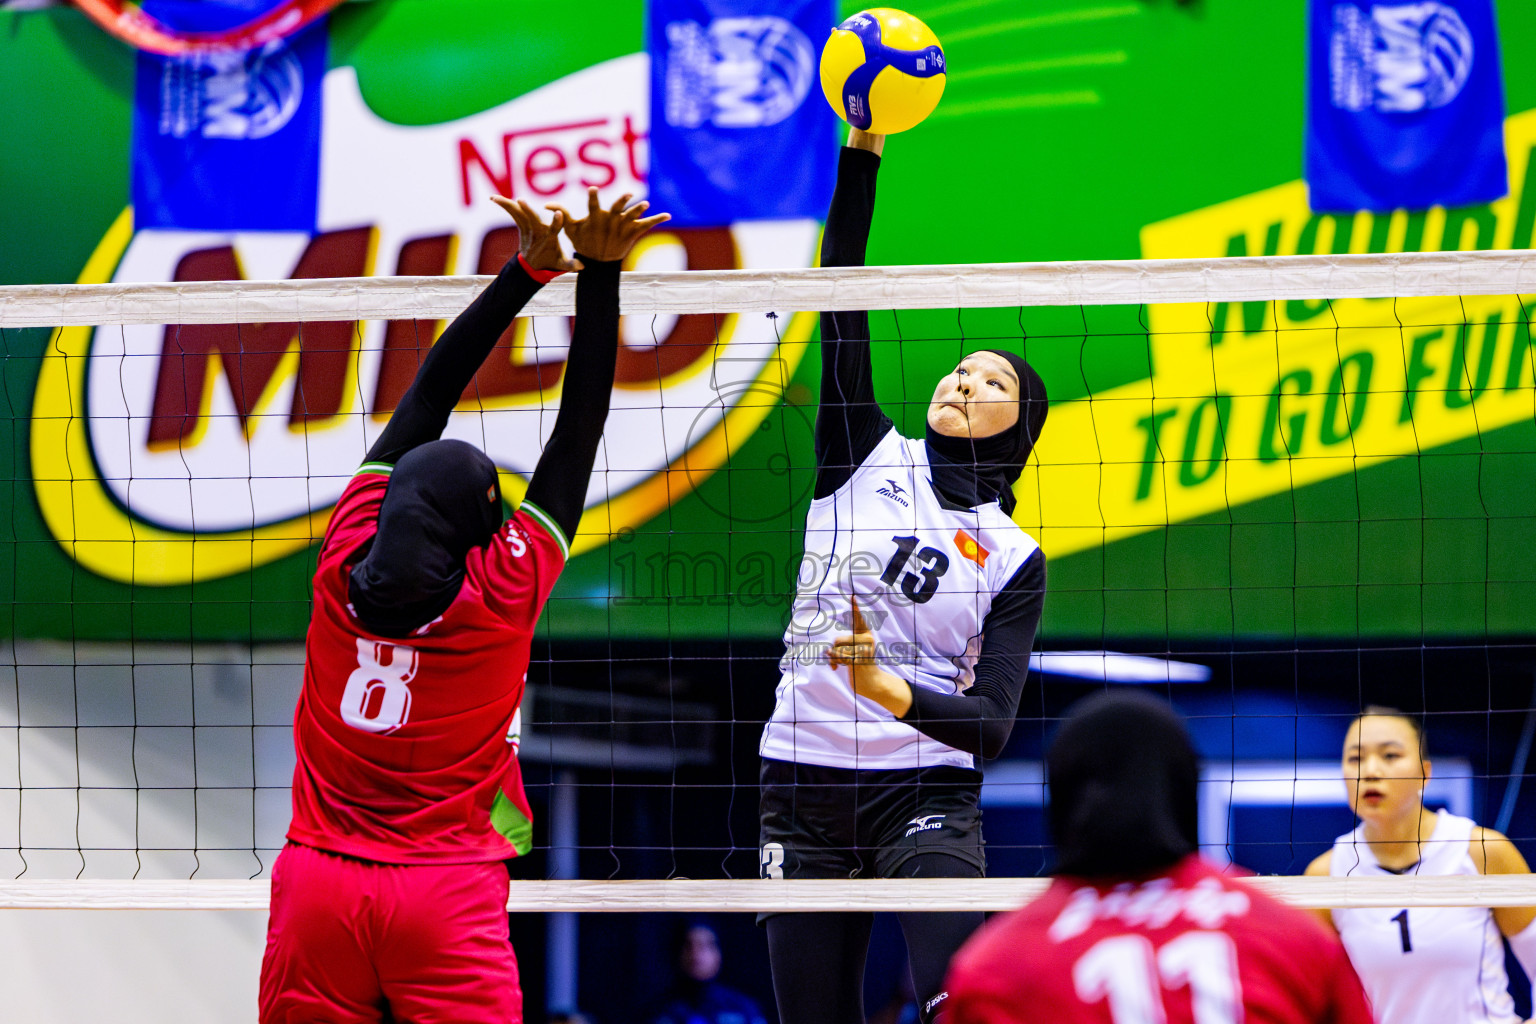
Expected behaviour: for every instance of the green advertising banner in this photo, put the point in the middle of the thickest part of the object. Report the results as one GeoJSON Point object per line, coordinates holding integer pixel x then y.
{"type": "Point", "coordinates": [1254, 472]}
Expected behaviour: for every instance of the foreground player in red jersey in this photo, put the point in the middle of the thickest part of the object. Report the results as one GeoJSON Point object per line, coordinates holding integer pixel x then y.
{"type": "Point", "coordinates": [1137, 928]}
{"type": "Point", "coordinates": [389, 902]}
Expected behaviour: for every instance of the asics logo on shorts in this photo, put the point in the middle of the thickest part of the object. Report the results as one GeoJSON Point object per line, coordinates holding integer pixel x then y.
{"type": "Point", "coordinates": [925, 823]}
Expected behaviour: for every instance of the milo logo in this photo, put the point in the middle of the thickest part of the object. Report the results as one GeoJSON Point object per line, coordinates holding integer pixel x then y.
{"type": "Point", "coordinates": [168, 454]}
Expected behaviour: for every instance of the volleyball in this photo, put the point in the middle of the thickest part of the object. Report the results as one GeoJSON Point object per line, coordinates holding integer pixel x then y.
{"type": "Point", "coordinates": [883, 70]}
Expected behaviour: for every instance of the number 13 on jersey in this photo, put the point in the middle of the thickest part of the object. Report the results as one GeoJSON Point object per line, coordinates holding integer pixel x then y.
{"type": "Point", "coordinates": [921, 585]}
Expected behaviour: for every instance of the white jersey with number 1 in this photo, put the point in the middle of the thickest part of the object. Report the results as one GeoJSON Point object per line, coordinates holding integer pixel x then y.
{"type": "Point", "coordinates": [925, 575]}
{"type": "Point", "coordinates": [1427, 965]}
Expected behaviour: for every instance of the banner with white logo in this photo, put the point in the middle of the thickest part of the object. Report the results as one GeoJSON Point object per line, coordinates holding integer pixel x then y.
{"type": "Point", "coordinates": [229, 139]}
{"type": "Point", "coordinates": [739, 130]}
{"type": "Point", "coordinates": [1405, 105]}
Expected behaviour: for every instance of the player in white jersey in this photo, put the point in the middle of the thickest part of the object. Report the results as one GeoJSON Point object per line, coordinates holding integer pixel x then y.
{"type": "Point", "coordinates": [1427, 965]}
{"type": "Point", "coordinates": [907, 646]}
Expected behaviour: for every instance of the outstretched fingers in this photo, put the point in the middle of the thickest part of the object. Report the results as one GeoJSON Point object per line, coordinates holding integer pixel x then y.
{"type": "Point", "coordinates": [529, 213]}
{"type": "Point", "coordinates": [519, 212]}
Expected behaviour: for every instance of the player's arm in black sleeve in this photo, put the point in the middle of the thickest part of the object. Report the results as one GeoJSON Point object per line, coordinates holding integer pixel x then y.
{"type": "Point", "coordinates": [559, 484]}
{"type": "Point", "coordinates": [850, 422]}
{"type": "Point", "coordinates": [602, 239]}
{"type": "Point", "coordinates": [452, 362]}
{"type": "Point", "coordinates": [979, 720]}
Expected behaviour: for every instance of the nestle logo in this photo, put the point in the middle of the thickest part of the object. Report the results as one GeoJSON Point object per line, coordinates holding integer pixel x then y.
{"type": "Point", "coordinates": [549, 159]}
{"type": "Point", "coordinates": [894, 492]}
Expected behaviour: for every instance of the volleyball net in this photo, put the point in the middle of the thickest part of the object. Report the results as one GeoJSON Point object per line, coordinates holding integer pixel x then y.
{"type": "Point", "coordinates": [1272, 489]}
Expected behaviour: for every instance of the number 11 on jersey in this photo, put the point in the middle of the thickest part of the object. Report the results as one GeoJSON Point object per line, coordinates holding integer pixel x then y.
{"type": "Point", "coordinates": [1126, 971]}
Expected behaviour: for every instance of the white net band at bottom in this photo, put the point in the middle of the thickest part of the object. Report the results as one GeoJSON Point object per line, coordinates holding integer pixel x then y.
{"type": "Point", "coordinates": [752, 896]}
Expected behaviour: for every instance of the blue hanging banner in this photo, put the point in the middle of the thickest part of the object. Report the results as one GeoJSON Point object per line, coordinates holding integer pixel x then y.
{"type": "Point", "coordinates": [228, 140]}
{"type": "Point", "coordinates": [1405, 105]}
{"type": "Point", "coordinates": [739, 128]}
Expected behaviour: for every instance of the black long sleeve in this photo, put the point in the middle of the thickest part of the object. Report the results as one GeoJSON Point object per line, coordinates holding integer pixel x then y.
{"type": "Point", "coordinates": [850, 422]}
{"type": "Point", "coordinates": [452, 363]}
{"type": "Point", "coordinates": [979, 720]}
{"type": "Point", "coordinates": [559, 484]}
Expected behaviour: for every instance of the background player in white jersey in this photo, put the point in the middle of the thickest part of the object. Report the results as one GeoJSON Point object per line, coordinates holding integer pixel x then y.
{"type": "Point", "coordinates": [1428, 965]}
{"type": "Point", "coordinates": [907, 646]}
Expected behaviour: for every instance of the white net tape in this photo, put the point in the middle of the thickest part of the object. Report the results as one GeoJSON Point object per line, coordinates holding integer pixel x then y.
{"type": "Point", "coordinates": [972, 286]}
{"type": "Point", "coordinates": [751, 896]}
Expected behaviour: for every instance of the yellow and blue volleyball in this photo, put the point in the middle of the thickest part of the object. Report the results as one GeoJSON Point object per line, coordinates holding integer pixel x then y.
{"type": "Point", "coordinates": [883, 70]}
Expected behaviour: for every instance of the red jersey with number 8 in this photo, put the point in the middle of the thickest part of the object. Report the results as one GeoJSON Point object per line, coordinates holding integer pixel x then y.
{"type": "Point", "coordinates": [407, 746]}
{"type": "Point", "coordinates": [1191, 946]}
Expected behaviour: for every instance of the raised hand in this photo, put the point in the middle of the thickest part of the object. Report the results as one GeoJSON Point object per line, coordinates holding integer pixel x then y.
{"type": "Point", "coordinates": [538, 242]}
{"type": "Point", "coordinates": [608, 234]}
{"type": "Point", "coordinates": [859, 653]}
{"type": "Point", "coordinates": [855, 649]}
{"type": "Point", "coordinates": [860, 139]}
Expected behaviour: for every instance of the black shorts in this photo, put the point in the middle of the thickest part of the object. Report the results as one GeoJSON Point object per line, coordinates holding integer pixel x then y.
{"type": "Point", "coordinates": [819, 822]}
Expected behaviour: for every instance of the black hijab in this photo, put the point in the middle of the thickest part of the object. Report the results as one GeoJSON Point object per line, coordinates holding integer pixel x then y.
{"type": "Point", "coordinates": [972, 471]}
{"type": "Point", "coordinates": [443, 499]}
{"type": "Point", "coordinates": [1123, 777]}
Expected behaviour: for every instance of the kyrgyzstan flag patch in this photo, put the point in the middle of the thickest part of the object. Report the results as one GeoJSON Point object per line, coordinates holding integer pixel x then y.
{"type": "Point", "coordinates": [971, 548]}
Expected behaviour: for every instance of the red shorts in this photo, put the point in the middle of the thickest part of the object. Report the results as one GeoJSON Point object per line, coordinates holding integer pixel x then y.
{"type": "Point", "coordinates": [353, 940]}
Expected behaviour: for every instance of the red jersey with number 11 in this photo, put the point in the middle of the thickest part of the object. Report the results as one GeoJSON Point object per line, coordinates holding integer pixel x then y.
{"type": "Point", "coordinates": [1191, 946]}
{"type": "Point", "coordinates": [407, 747]}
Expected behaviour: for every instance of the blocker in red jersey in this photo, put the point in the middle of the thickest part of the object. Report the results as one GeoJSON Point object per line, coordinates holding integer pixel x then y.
{"type": "Point", "coordinates": [1137, 928]}
{"type": "Point", "coordinates": [389, 902]}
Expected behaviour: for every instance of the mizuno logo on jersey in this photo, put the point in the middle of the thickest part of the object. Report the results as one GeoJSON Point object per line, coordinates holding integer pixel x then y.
{"type": "Point", "coordinates": [894, 492]}
{"type": "Point", "coordinates": [925, 823]}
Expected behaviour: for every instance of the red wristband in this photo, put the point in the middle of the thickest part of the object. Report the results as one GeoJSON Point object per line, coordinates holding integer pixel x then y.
{"type": "Point", "coordinates": [541, 276]}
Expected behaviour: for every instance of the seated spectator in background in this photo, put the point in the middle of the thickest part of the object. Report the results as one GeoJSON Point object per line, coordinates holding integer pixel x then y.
{"type": "Point", "coordinates": [1137, 926]}
{"type": "Point", "coordinates": [696, 997]}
